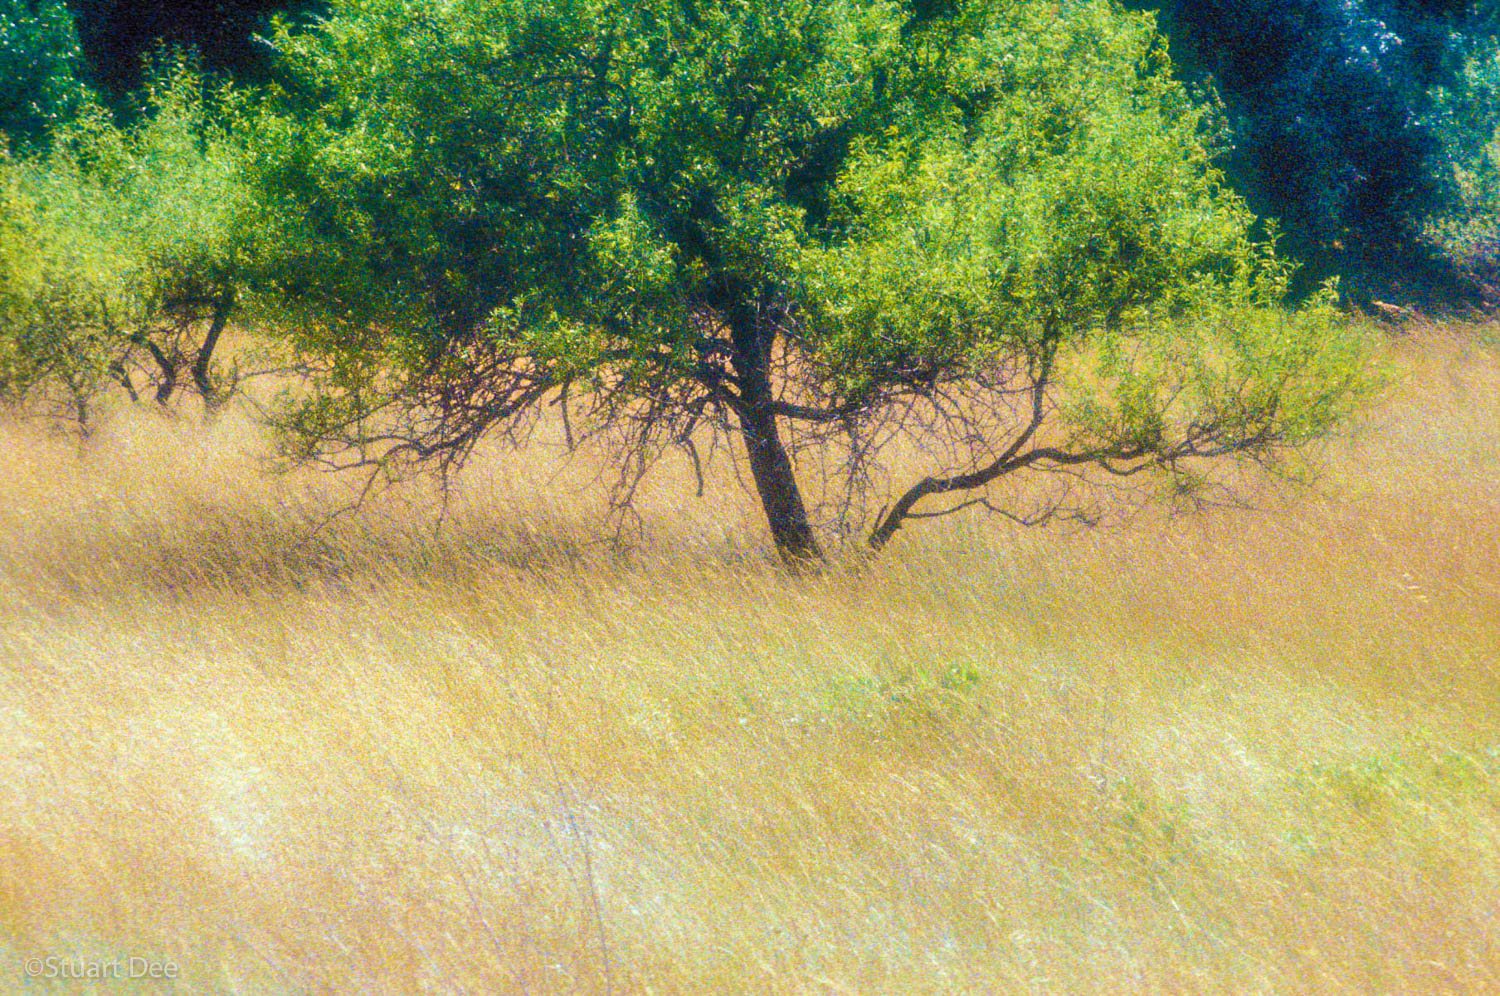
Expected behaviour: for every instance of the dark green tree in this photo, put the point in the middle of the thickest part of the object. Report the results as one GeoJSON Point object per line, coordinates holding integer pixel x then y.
{"type": "Point", "coordinates": [1343, 125]}
{"type": "Point", "coordinates": [990, 229]}
{"type": "Point", "coordinates": [1466, 117]}
{"type": "Point", "coordinates": [120, 37]}
{"type": "Point", "coordinates": [41, 67]}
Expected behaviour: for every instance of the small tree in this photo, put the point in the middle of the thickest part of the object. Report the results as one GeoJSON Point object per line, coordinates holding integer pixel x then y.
{"type": "Point", "coordinates": [48, 332]}
{"type": "Point", "coordinates": [990, 228]}
{"type": "Point", "coordinates": [130, 236]}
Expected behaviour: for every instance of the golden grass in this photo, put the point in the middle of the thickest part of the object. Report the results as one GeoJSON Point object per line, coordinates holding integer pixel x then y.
{"type": "Point", "coordinates": [1250, 752]}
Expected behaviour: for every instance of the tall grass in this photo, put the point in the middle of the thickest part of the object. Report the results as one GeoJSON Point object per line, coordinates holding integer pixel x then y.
{"type": "Point", "coordinates": [1249, 752]}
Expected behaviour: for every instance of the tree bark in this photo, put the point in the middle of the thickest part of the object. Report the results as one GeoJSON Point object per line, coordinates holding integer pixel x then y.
{"type": "Point", "coordinates": [168, 369]}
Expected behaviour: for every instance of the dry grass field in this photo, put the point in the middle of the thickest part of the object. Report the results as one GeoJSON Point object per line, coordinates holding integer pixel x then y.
{"type": "Point", "coordinates": [1246, 752]}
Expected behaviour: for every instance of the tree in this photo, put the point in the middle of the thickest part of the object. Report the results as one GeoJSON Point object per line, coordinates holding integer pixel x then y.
{"type": "Point", "coordinates": [126, 242]}
{"type": "Point", "coordinates": [989, 228]}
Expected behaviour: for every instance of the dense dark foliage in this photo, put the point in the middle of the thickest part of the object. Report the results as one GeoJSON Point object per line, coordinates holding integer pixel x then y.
{"type": "Point", "coordinates": [1340, 113]}
{"type": "Point", "coordinates": [119, 35]}
{"type": "Point", "coordinates": [40, 64]}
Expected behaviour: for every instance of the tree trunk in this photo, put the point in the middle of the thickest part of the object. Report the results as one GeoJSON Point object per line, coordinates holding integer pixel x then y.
{"type": "Point", "coordinates": [780, 496]}
{"type": "Point", "coordinates": [212, 398]}
{"type": "Point", "coordinates": [786, 512]}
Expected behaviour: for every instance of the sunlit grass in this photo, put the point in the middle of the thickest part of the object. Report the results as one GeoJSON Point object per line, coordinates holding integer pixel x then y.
{"type": "Point", "coordinates": [1249, 752]}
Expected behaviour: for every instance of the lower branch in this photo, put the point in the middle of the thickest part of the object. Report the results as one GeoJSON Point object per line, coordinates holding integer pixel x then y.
{"type": "Point", "coordinates": [168, 382]}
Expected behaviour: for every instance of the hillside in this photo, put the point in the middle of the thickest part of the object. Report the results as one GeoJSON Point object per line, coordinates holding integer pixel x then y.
{"type": "Point", "coordinates": [1250, 751]}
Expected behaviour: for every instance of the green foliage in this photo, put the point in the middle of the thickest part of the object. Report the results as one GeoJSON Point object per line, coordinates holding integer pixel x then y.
{"type": "Point", "coordinates": [1406, 787]}
{"type": "Point", "coordinates": [41, 66]}
{"type": "Point", "coordinates": [753, 215]}
{"type": "Point", "coordinates": [1465, 117]}
{"type": "Point", "coordinates": [50, 318]}
{"type": "Point", "coordinates": [127, 236]}
{"type": "Point", "coordinates": [19, 277]}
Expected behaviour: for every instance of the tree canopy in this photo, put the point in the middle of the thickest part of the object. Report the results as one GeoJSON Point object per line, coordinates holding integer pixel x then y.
{"type": "Point", "coordinates": [1344, 115]}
